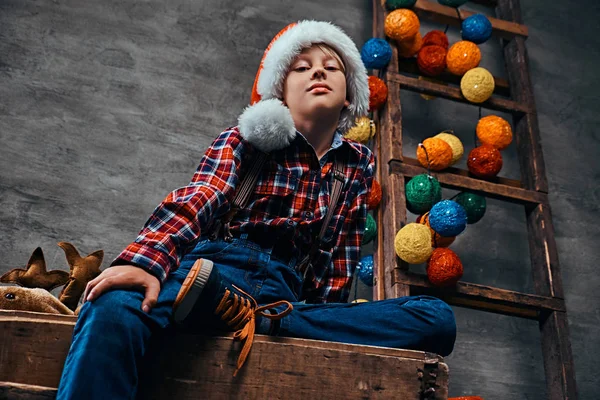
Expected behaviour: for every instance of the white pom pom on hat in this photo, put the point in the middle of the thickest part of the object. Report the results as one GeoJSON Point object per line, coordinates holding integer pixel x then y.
{"type": "Point", "coordinates": [267, 123]}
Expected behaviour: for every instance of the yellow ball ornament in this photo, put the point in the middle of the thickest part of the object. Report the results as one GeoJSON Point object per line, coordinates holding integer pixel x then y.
{"type": "Point", "coordinates": [455, 144]}
{"type": "Point", "coordinates": [363, 130]}
{"type": "Point", "coordinates": [435, 154]}
{"type": "Point", "coordinates": [413, 243]}
{"type": "Point", "coordinates": [360, 301]}
{"type": "Point", "coordinates": [462, 56]}
{"type": "Point", "coordinates": [401, 24]}
{"type": "Point", "coordinates": [495, 131]}
{"type": "Point", "coordinates": [477, 85]}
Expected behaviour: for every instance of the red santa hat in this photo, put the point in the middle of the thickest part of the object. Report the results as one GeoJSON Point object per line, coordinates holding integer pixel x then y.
{"type": "Point", "coordinates": [267, 122]}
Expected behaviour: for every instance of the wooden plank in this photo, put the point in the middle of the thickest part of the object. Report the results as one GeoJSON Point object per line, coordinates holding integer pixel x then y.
{"type": "Point", "coordinates": [392, 212]}
{"type": "Point", "coordinates": [483, 297]}
{"type": "Point", "coordinates": [454, 94]}
{"type": "Point", "coordinates": [18, 391]}
{"type": "Point", "coordinates": [189, 364]}
{"type": "Point", "coordinates": [449, 15]}
{"type": "Point", "coordinates": [409, 65]}
{"type": "Point", "coordinates": [455, 178]}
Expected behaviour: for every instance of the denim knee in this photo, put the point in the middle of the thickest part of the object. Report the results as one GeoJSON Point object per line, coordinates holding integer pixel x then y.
{"type": "Point", "coordinates": [444, 334]}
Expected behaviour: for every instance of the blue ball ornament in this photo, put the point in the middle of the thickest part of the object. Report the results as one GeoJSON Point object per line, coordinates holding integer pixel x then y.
{"type": "Point", "coordinates": [477, 28]}
{"type": "Point", "coordinates": [448, 218]}
{"type": "Point", "coordinates": [452, 3]}
{"type": "Point", "coordinates": [376, 53]}
{"type": "Point", "coordinates": [365, 270]}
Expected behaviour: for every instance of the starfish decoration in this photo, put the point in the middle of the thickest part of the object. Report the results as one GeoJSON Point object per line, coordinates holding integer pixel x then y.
{"type": "Point", "coordinates": [83, 270]}
{"type": "Point", "coordinates": [36, 275]}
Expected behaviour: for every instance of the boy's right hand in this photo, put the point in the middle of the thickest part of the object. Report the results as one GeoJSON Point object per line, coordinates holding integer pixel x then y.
{"type": "Point", "coordinates": [125, 277]}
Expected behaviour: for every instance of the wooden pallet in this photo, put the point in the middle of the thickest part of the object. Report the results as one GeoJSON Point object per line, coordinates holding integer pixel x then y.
{"type": "Point", "coordinates": [393, 279]}
{"type": "Point", "coordinates": [34, 347]}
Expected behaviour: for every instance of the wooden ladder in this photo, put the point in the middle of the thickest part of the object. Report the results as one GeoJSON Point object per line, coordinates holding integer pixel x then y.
{"type": "Point", "coordinates": [392, 278]}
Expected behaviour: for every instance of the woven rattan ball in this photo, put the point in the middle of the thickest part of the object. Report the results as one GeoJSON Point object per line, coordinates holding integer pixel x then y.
{"type": "Point", "coordinates": [444, 268]}
{"type": "Point", "coordinates": [484, 161]}
{"type": "Point", "coordinates": [408, 48]}
{"type": "Point", "coordinates": [422, 192]}
{"type": "Point", "coordinates": [455, 144]}
{"type": "Point", "coordinates": [436, 38]}
{"type": "Point", "coordinates": [378, 92]}
{"type": "Point", "coordinates": [413, 243]}
{"type": "Point", "coordinates": [463, 56]}
{"type": "Point", "coordinates": [435, 154]}
{"type": "Point", "coordinates": [494, 130]}
{"type": "Point", "coordinates": [374, 195]}
{"type": "Point", "coordinates": [477, 28]}
{"type": "Point", "coordinates": [477, 85]}
{"type": "Point", "coordinates": [401, 24]}
{"type": "Point", "coordinates": [395, 4]}
{"type": "Point", "coordinates": [437, 240]}
{"type": "Point", "coordinates": [452, 3]}
{"type": "Point", "coordinates": [376, 53]}
{"type": "Point", "coordinates": [363, 130]}
{"type": "Point", "coordinates": [432, 60]}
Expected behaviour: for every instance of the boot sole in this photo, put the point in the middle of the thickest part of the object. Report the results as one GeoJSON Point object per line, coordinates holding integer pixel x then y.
{"type": "Point", "coordinates": [191, 289]}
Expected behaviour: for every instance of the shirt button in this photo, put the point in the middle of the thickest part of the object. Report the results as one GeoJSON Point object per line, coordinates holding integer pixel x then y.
{"type": "Point", "coordinates": [290, 222]}
{"type": "Point", "coordinates": [309, 214]}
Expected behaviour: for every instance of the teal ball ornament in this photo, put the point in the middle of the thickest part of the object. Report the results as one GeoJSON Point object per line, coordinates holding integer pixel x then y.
{"type": "Point", "coordinates": [370, 230]}
{"type": "Point", "coordinates": [376, 53]}
{"type": "Point", "coordinates": [365, 270]}
{"type": "Point", "coordinates": [422, 192]}
{"type": "Point", "coordinates": [395, 4]}
{"type": "Point", "coordinates": [473, 204]}
{"type": "Point", "coordinates": [452, 3]}
{"type": "Point", "coordinates": [448, 218]}
{"type": "Point", "coordinates": [477, 28]}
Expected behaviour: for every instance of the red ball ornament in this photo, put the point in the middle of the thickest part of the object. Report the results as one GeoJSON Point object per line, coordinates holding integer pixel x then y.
{"type": "Point", "coordinates": [436, 38]}
{"type": "Point", "coordinates": [378, 92]}
{"type": "Point", "coordinates": [444, 268]}
{"type": "Point", "coordinates": [432, 60]}
{"type": "Point", "coordinates": [484, 161]}
{"type": "Point", "coordinates": [374, 196]}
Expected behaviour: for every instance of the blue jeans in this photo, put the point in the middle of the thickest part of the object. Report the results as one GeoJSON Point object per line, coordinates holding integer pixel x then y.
{"type": "Point", "coordinates": [112, 333]}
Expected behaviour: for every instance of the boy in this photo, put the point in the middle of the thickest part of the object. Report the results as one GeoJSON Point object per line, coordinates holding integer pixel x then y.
{"type": "Point", "coordinates": [248, 276]}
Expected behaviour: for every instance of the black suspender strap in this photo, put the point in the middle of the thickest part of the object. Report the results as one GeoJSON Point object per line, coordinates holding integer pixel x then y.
{"type": "Point", "coordinates": [338, 184]}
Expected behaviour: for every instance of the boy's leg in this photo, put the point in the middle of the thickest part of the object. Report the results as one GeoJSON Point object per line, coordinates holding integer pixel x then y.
{"type": "Point", "coordinates": [414, 322]}
{"type": "Point", "coordinates": [109, 340]}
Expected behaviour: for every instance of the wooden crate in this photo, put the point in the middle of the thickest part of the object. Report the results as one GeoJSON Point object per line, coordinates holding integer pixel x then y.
{"type": "Point", "coordinates": [34, 347]}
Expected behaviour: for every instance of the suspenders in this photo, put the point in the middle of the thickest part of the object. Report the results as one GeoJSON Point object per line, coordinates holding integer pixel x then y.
{"type": "Point", "coordinates": [246, 188]}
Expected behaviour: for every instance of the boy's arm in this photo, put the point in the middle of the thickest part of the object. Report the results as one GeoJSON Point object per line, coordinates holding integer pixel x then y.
{"type": "Point", "coordinates": [177, 222]}
{"type": "Point", "coordinates": [338, 279]}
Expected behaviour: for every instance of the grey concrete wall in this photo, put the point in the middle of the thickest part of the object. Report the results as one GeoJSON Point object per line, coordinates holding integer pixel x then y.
{"type": "Point", "coordinates": [106, 106]}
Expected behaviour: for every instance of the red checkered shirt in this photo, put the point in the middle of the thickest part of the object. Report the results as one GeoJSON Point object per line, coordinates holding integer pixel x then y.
{"type": "Point", "coordinates": [291, 191]}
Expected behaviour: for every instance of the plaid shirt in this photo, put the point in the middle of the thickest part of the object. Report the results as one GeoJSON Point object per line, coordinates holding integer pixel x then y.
{"type": "Point", "coordinates": [290, 201]}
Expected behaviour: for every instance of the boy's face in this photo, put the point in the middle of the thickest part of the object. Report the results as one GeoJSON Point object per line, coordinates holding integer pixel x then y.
{"type": "Point", "coordinates": [315, 85]}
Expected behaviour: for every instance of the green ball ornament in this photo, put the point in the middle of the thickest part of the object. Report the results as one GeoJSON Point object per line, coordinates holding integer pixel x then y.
{"type": "Point", "coordinates": [422, 192]}
{"type": "Point", "coordinates": [473, 204]}
{"type": "Point", "coordinates": [370, 230]}
{"type": "Point", "coordinates": [452, 3]}
{"type": "Point", "coordinates": [395, 4]}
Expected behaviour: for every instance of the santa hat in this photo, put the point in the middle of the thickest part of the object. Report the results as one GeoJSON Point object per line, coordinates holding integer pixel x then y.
{"type": "Point", "coordinates": [267, 123]}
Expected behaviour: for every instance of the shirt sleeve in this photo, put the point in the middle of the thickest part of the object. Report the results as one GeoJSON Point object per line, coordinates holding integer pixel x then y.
{"type": "Point", "coordinates": [177, 222]}
{"type": "Point", "coordinates": [347, 255]}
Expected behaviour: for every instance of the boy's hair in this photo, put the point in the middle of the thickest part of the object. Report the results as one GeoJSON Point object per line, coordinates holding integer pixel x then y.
{"type": "Point", "coordinates": [332, 53]}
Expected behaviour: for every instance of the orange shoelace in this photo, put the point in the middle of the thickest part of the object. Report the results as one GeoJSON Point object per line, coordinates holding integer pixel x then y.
{"type": "Point", "coordinates": [240, 313]}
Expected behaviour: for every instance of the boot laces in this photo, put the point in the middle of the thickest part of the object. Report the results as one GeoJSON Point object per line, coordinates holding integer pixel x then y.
{"type": "Point", "coordinates": [239, 313]}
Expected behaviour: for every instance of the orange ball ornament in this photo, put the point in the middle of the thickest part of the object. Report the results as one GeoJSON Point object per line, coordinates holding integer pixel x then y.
{"type": "Point", "coordinates": [432, 60]}
{"type": "Point", "coordinates": [408, 48]}
{"type": "Point", "coordinates": [434, 153]}
{"type": "Point", "coordinates": [374, 195]}
{"type": "Point", "coordinates": [436, 38]}
{"type": "Point", "coordinates": [444, 268]}
{"type": "Point", "coordinates": [484, 161]}
{"type": "Point", "coordinates": [495, 131]}
{"type": "Point", "coordinates": [463, 56]}
{"type": "Point", "coordinates": [378, 92]}
{"type": "Point", "coordinates": [437, 240]}
{"type": "Point", "coordinates": [401, 24]}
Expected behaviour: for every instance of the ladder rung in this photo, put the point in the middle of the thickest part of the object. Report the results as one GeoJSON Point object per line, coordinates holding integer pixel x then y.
{"type": "Point", "coordinates": [448, 15]}
{"type": "Point", "coordinates": [409, 65]}
{"type": "Point", "coordinates": [455, 178]}
{"type": "Point", "coordinates": [451, 93]}
{"type": "Point", "coordinates": [482, 297]}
